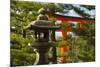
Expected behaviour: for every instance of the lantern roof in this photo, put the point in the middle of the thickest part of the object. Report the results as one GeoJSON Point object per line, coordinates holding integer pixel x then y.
{"type": "Point", "coordinates": [43, 24]}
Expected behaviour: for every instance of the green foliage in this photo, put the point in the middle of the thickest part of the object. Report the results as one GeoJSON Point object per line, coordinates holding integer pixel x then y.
{"type": "Point", "coordinates": [18, 40]}
{"type": "Point", "coordinates": [22, 13]}
{"type": "Point", "coordinates": [21, 54]}
{"type": "Point", "coordinates": [65, 26]}
{"type": "Point", "coordinates": [20, 57]}
{"type": "Point", "coordinates": [83, 48]}
{"type": "Point", "coordinates": [88, 32]}
{"type": "Point", "coordinates": [86, 51]}
{"type": "Point", "coordinates": [62, 43]}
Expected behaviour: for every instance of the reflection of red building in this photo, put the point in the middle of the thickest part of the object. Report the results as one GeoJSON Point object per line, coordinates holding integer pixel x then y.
{"type": "Point", "coordinates": [79, 20]}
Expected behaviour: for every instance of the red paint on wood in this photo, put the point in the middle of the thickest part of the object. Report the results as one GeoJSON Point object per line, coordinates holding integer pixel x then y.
{"type": "Point", "coordinates": [75, 19]}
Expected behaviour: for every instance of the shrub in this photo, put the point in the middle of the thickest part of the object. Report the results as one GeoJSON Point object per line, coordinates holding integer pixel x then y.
{"type": "Point", "coordinates": [20, 57]}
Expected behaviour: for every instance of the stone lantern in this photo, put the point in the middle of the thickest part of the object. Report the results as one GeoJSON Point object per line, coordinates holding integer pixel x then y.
{"type": "Point", "coordinates": [43, 35]}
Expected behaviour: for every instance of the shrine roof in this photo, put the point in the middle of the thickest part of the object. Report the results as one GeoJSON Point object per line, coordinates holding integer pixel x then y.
{"type": "Point", "coordinates": [73, 13]}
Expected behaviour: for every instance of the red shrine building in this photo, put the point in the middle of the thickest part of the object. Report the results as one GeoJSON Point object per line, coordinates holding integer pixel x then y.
{"type": "Point", "coordinates": [72, 17]}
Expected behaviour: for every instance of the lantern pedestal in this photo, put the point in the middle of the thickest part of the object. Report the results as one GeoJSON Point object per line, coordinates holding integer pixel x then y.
{"type": "Point", "coordinates": [42, 48]}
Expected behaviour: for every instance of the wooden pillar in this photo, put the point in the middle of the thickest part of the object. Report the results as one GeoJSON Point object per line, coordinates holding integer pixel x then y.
{"type": "Point", "coordinates": [62, 53]}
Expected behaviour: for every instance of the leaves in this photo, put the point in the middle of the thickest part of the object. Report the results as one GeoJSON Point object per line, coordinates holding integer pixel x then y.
{"type": "Point", "coordinates": [20, 57]}
{"type": "Point", "coordinates": [22, 13]}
